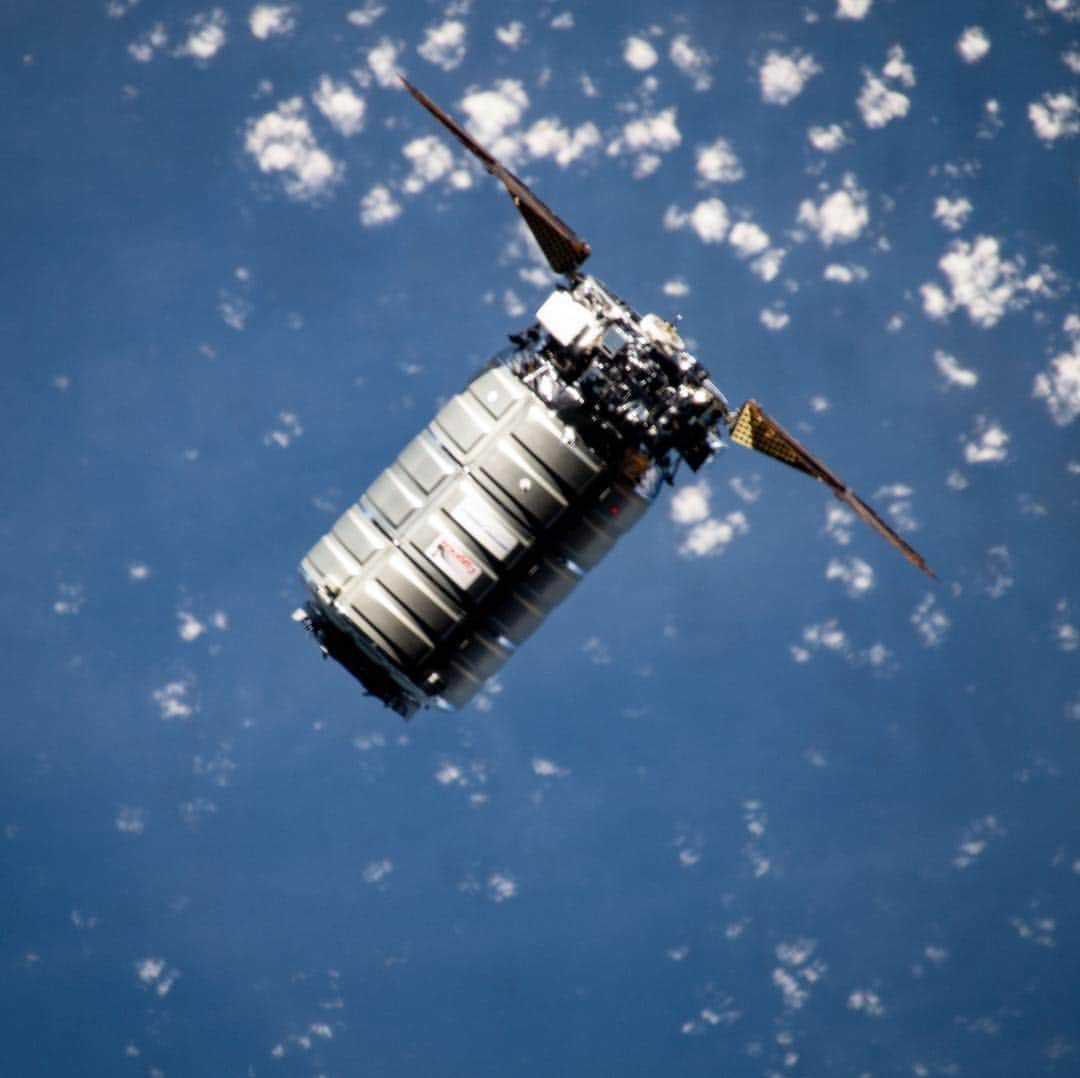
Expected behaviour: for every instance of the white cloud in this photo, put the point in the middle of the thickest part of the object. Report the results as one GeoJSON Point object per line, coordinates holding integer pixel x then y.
{"type": "Point", "coordinates": [879, 101]}
{"type": "Point", "coordinates": [676, 287]}
{"type": "Point", "coordinates": [287, 431]}
{"type": "Point", "coordinates": [774, 318]}
{"type": "Point", "coordinates": [930, 623]}
{"type": "Point", "coordinates": [207, 36]}
{"type": "Point", "coordinates": [152, 972]}
{"type": "Point", "coordinates": [548, 138]}
{"type": "Point", "coordinates": [645, 138]}
{"type": "Point", "coordinates": [838, 522]}
{"type": "Point", "coordinates": [382, 61]}
{"type": "Point", "coordinates": [340, 104]}
{"type": "Point", "coordinates": [844, 274]}
{"type": "Point", "coordinates": [690, 504]}
{"type": "Point", "coordinates": [706, 535]}
{"type": "Point", "coordinates": [190, 627]}
{"type": "Point", "coordinates": [878, 104]}
{"type": "Point", "coordinates": [975, 839]}
{"type": "Point", "coordinates": [1066, 635]}
{"type": "Point", "coordinates": [991, 120]}
{"type": "Point", "coordinates": [797, 974]}
{"type": "Point", "coordinates": [717, 162]}
{"type": "Point", "coordinates": [982, 283]}
{"type": "Point", "coordinates": [281, 141]}
{"type": "Point", "coordinates": [989, 444]}
{"type": "Point", "coordinates": [492, 113]}
{"type": "Point", "coordinates": [444, 44]}
{"type": "Point", "coordinates": [841, 215]}
{"type": "Point", "coordinates": [1059, 384]}
{"type": "Point", "coordinates": [767, 266]}
{"type": "Point", "coordinates": [173, 700]}
{"type": "Point", "coordinates": [271, 20]}
{"type": "Point", "coordinates": [512, 35]}
{"type": "Point", "coordinates": [378, 207]}
{"type": "Point", "coordinates": [856, 575]}
{"type": "Point", "coordinates": [639, 54]}
{"type": "Point", "coordinates": [748, 239]}
{"type": "Point", "coordinates": [999, 572]}
{"type": "Point", "coordinates": [367, 15]}
{"type": "Point", "coordinates": [377, 871]}
{"type": "Point", "coordinates": [827, 139]}
{"type": "Point", "coordinates": [70, 601]}
{"type": "Point", "coordinates": [852, 9]}
{"type": "Point", "coordinates": [973, 44]}
{"type": "Point", "coordinates": [513, 304]}
{"type": "Point", "coordinates": [692, 60]}
{"type": "Point", "coordinates": [564, 21]}
{"type": "Point", "coordinates": [897, 68]}
{"type": "Point", "coordinates": [709, 219]}
{"type": "Point", "coordinates": [234, 309]}
{"type": "Point", "coordinates": [1056, 116]}
{"type": "Point", "coordinates": [866, 1001]}
{"type": "Point", "coordinates": [147, 45]}
{"type": "Point", "coordinates": [899, 508]}
{"type": "Point", "coordinates": [130, 820]}
{"type": "Point", "coordinates": [501, 887]}
{"type": "Point", "coordinates": [782, 77]}
{"type": "Point", "coordinates": [597, 651]}
{"type": "Point", "coordinates": [1071, 59]}
{"type": "Point", "coordinates": [953, 373]}
{"type": "Point", "coordinates": [952, 213]}
{"type": "Point", "coordinates": [430, 159]}
{"type": "Point", "coordinates": [712, 536]}
{"type": "Point", "coordinates": [548, 768]}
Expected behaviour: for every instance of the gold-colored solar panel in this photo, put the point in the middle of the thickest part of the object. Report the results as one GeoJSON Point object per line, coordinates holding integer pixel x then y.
{"type": "Point", "coordinates": [755, 430]}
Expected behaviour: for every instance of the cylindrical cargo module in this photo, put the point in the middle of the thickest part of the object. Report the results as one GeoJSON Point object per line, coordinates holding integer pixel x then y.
{"type": "Point", "coordinates": [462, 547]}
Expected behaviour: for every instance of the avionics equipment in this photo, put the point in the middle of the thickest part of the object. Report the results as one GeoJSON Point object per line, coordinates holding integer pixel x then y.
{"type": "Point", "coordinates": [521, 483]}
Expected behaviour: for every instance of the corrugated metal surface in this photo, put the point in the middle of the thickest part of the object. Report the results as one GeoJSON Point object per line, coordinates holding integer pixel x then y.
{"type": "Point", "coordinates": [459, 550]}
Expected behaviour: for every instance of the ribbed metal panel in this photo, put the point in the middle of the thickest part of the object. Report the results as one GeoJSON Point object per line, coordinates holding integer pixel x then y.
{"type": "Point", "coordinates": [460, 549]}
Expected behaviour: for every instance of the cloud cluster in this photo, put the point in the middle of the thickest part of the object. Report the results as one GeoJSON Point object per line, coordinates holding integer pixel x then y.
{"type": "Point", "coordinates": [973, 44]}
{"type": "Point", "coordinates": [1055, 116]}
{"type": "Point", "coordinates": [827, 139]}
{"type": "Point", "coordinates": [341, 105]}
{"type": "Point", "coordinates": [856, 575]}
{"type": "Point", "coordinates": [717, 162]}
{"type": "Point", "coordinates": [880, 101]}
{"type": "Point", "coordinates": [444, 44]}
{"type": "Point", "coordinates": [1059, 384]}
{"type": "Point", "coordinates": [840, 216]}
{"type": "Point", "coordinates": [206, 36]}
{"type": "Point", "coordinates": [282, 142]}
{"type": "Point", "coordinates": [952, 213]}
{"type": "Point", "coordinates": [271, 20]}
{"type": "Point", "coordinates": [954, 375]}
{"type": "Point", "coordinates": [783, 76]}
{"type": "Point", "coordinates": [378, 207]}
{"type": "Point", "coordinates": [639, 54]}
{"type": "Point", "coordinates": [852, 9]}
{"type": "Point", "coordinates": [706, 535]}
{"type": "Point", "coordinates": [982, 282]}
{"type": "Point", "coordinates": [692, 60]}
{"type": "Point", "coordinates": [645, 138]}
{"type": "Point", "coordinates": [828, 636]}
{"type": "Point", "coordinates": [988, 444]}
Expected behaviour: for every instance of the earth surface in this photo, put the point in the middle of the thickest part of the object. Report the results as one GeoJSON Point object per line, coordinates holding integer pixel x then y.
{"type": "Point", "coordinates": [759, 799]}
